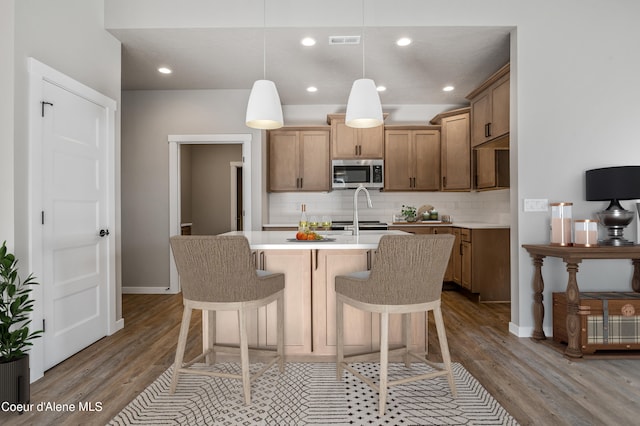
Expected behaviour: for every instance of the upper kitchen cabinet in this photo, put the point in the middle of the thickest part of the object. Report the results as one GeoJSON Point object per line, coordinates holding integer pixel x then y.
{"type": "Point", "coordinates": [455, 149]}
{"type": "Point", "coordinates": [351, 143]}
{"type": "Point", "coordinates": [490, 108]}
{"type": "Point", "coordinates": [412, 158]}
{"type": "Point", "coordinates": [491, 164]}
{"type": "Point", "coordinates": [299, 159]}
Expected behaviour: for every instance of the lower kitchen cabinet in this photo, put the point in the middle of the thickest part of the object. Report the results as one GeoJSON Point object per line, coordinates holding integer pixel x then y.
{"type": "Point", "coordinates": [296, 266]}
{"type": "Point", "coordinates": [310, 307]}
{"type": "Point", "coordinates": [481, 262]}
{"type": "Point", "coordinates": [362, 329]}
{"type": "Point", "coordinates": [357, 332]}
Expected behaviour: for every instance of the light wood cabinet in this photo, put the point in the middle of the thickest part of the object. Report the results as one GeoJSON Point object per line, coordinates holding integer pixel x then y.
{"type": "Point", "coordinates": [351, 143]}
{"type": "Point", "coordinates": [299, 160]}
{"type": "Point", "coordinates": [362, 329]}
{"type": "Point", "coordinates": [412, 158]}
{"type": "Point", "coordinates": [357, 332]}
{"type": "Point", "coordinates": [481, 262]}
{"type": "Point", "coordinates": [491, 168]}
{"type": "Point", "coordinates": [310, 306]}
{"type": "Point", "coordinates": [490, 108]}
{"type": "Point", "coordinates": [422, 229]}
{"type": "Point", "coordinates": [465, 259]}
{"type": "Point", "coordinates": [455, 149]}
{"type": "Point", "coordinates": [296, 266]}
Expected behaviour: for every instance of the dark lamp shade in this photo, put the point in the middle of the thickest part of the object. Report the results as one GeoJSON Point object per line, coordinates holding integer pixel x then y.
{"type": "Point", "coordinates": [613, 183]}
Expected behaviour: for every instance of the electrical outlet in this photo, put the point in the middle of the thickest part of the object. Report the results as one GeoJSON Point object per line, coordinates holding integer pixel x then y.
{"type": "Point", "coordinates": [536, 205]}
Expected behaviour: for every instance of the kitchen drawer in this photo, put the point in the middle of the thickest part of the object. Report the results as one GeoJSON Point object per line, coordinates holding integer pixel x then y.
{"type": "Point", "coordinates": [465, 234]}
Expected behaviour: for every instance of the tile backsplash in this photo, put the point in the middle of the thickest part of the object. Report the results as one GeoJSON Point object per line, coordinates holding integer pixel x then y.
{"type": "Point", "coordinates": [487, 206]}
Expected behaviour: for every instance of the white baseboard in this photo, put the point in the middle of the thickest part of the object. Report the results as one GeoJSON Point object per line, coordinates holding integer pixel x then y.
{"type": "Point", "coordinates": [147, 290]}
{"type": "Point", "coordinates": [528, 331]}
{"type": "Point", "coordinates": [119, 325]}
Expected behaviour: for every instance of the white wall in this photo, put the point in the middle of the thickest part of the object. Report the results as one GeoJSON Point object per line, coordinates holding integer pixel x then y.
{"type": "Point", "coordinates": [6, 123]}
{"type": "Point", "coordinates": [575, 97]}
{"type": "Point", "coordinates": [150, 117]}
{"type": "Point", "coordinates": [69, 36]}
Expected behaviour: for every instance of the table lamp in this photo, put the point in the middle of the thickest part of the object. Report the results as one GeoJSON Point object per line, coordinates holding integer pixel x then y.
{"type": "Point", "coordinates": [614, 184]}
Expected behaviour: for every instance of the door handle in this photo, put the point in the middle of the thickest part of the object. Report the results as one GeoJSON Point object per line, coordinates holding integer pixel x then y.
{"type": "Point", "coordinates": [104, 232]}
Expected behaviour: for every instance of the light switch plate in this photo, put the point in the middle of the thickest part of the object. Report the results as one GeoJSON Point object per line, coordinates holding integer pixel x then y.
{"type": "Point", "coordinates": [536, 205]}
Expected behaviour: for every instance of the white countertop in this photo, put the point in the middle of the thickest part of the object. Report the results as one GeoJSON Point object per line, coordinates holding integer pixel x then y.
{"type": "Point", "coordinates": [469, 225]}
{"type": "Point", "coordinates": [277, 240]}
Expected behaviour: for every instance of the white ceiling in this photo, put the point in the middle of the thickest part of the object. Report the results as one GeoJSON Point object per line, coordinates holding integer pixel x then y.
{"type": "Point", "coordinates": [232, 58]}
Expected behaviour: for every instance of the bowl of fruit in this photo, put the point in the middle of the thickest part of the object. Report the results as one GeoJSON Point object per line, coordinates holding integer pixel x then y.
{"type": "Point", "coordinates": [309, 236]}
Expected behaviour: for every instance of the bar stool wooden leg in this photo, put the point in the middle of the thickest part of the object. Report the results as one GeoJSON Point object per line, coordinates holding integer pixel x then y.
{"type": "Point", "coordinates": [280, 333]}
{"type": "Point", "coordinates": [406, 338]}
{"type": "Point", "coordinates": [244, 356]}
{"type": "Point", "coordinates": [182, 343]}
{"type": "Point", "coordinates": [384, 361]}
{"type": "Point", "coordinates": [339, 337]}
{"type": "Point", "coordinates": [444, 348]}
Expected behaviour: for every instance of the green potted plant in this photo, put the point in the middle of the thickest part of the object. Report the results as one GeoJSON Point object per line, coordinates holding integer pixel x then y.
{"type": "Point", "coordinates": [409, 213]}
{"type": "Point", "coordinates": [15, 336]}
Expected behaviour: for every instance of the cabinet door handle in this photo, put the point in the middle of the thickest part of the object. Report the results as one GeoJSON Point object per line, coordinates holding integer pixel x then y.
{"type": "Point", "coordinates": [487, 130]}
{"type": "Point", "coordinates": [301, 183]}
{"type": "Point", "coordinates": [444, 181]}
{"type": "Point", "coordinates": [356, 149]}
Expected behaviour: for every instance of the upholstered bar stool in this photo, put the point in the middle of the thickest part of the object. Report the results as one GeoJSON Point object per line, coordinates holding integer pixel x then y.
{"type": "Point", "coordinates": [217, 274]}
{"type": "Point", "coordinates": [406, 277]}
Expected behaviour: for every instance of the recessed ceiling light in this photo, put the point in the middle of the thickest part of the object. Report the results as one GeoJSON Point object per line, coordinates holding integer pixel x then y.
{"type": "Point", "coordinates": [164, 70]}
{"type": "Point", "coordinates": [308, 41]}
{"type": "Point", "coordinates": [312, 89]}
{"type": "Point", "coordinates": [381, 88]}
{"type": "Point", "coordinates": [447, 88]}
{"type": "Point", "coordinates": [404, 41]}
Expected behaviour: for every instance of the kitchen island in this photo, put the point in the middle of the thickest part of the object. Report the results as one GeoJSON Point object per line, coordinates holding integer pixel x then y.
{"type": "Point", "coordinates": [310, 268]}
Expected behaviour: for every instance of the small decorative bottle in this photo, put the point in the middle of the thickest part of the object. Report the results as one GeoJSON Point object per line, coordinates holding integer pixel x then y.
{"type": "Point", "coordinates": [303, 224]}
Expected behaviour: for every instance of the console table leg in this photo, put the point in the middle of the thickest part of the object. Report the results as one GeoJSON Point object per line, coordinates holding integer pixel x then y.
{"type": "Point", "coordinates": [635, 280]}
{"type": "Point", "coordinates": [573, 321]}
{"type": "Point", "coordinates": [538, 307]}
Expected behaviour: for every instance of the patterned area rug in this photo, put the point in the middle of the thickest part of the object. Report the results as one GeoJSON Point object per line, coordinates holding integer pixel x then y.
{"type": "Point", "coordinates": [309, 394]}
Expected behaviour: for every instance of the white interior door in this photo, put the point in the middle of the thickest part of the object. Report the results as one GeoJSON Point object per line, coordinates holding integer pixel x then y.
{"type": "Point", "coordinates": [75, 214]}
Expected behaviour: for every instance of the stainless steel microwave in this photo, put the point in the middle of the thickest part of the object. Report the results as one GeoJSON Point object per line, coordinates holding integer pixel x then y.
{"type": "Point", "coordinates": [348, 174]}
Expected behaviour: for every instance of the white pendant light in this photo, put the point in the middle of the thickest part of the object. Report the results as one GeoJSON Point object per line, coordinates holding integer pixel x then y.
{"type": "Point", "coordinates": [264, 110]}
{"type": "Point", "coordinates": [364, 109]}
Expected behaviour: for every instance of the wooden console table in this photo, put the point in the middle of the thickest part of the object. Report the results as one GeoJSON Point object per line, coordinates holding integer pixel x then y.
{"type": "Point", "coordinates": [572, 256]}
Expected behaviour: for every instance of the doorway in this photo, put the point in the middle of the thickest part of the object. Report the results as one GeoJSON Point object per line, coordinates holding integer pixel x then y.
{"type": "Point", "coordinates": [175, 220]}
{"type": "Point", "coordinates": [237, 209]}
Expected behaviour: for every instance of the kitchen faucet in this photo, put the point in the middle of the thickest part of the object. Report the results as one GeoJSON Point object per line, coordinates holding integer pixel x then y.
{"type": "Point", "coordinates": [356, 226]}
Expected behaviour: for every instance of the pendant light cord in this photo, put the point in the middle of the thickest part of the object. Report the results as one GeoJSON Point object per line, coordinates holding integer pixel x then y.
{"type": "Point", "coordinates": [264, 39]}
{"type": "Point", "coordinates": [363, 39]}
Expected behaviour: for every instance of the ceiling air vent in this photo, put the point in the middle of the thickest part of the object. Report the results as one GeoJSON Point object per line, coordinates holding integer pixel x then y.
{"type": "Point", "coordinates": [344, 39]}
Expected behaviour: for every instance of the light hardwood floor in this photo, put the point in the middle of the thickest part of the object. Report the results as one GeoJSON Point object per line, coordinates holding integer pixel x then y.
{"type": "Point", "coordinates": [533, 381]}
